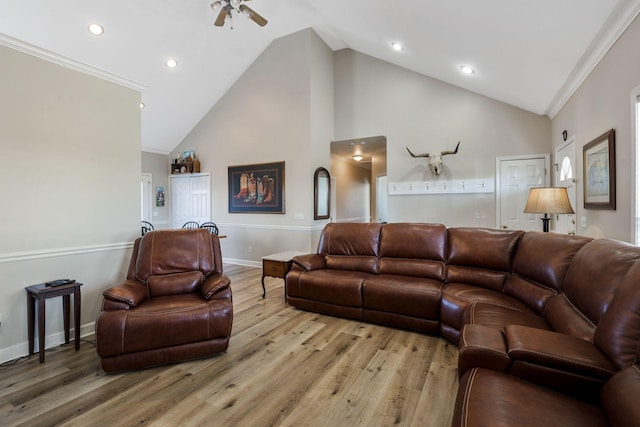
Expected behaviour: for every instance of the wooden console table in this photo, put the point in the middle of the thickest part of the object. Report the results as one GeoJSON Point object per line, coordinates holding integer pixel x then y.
{"type": "Point", "coordinates": [40, 293]}
{"type": "Point", "coordinates": [277, 265]}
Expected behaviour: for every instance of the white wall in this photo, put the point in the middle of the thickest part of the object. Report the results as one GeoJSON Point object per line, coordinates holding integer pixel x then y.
{"type": "Point", "coordinates": [603, 102]}
{"type": "Point", "coordinates": [70, 188]}
{"type": "Point", "coordinates": [281, 109]}
{"type": "Point", "coordinates": [373, 97]}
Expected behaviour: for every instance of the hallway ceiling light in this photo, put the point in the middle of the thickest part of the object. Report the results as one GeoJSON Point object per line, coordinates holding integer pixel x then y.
{"type": "Point", "coordinates": [397, 46]}
{"type": "Point", "coordinates": [172, 63]}
{"type": "Point", "coordinates": [358, 157]}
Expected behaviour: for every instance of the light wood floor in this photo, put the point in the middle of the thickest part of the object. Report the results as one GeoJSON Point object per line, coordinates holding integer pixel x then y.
{"type": "Point", "coordinates": [284, 367]}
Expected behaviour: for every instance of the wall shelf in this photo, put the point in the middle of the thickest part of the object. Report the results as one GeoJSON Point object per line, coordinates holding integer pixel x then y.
{"type": "Point", "coordinates": [458, 186]}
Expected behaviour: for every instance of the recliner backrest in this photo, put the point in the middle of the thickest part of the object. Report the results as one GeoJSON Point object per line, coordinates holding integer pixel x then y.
{"type": "Point", "coordinates": [175, 261]}
{"type": "Point", "coordinates": [413, 250]}
{"type": "Point", "coordinates": [596, 272]}
{"type": "Point", "coordinates": [481, 256]}
{"type": "Point", "coordinates": [351, 246]}
{"type": "Point", "coordinates": [540, 266]}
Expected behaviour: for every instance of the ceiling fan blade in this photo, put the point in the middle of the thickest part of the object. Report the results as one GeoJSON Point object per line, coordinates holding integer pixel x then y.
{"type": "Point", "coordinates": [221, 17]}
{"type": "Point", "coordinates": [255, 17]}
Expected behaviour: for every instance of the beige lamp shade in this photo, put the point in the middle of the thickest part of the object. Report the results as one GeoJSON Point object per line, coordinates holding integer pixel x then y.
{"type": "Point", "coordinates": [552, 200]}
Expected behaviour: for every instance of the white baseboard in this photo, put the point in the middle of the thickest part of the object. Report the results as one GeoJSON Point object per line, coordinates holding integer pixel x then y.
{"type": "Point", "coordinates": [22, 349]}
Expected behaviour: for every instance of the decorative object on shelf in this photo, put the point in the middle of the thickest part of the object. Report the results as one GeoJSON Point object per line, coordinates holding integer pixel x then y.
{"type": "Point", "coordinates": [564, 135]}
{"type": "Point", "coordinates": [160, 197]}
{"type": "Point", "coordinates": [185, 162]}
{"type": "Point", "coordinates": [321, 194]}
{"type": "Point", "coordinates": [548, 200]}
{"type": "Point", "coordinates": [227, 7]}
{"type": "Point", "coordinates": [146, 227]}
{"type": "Point", "coordinates": [599, 172]}
{"type": "Point", "coordinates": [256, 188]}
{"type": "Point", "coordinates": [435, 159]}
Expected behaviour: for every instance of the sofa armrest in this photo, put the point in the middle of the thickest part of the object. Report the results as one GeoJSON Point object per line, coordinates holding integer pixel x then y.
{"type": "Point", "coordinates": [310, 262]}
{"type": "Point", "coordinates": [557, 351]}
{"type": "Point", "coordinates": [482, 347]}
{"type": "Point", "coordinates": [125, 295]}
{"type": "Point", "coordinates": [214, 284]}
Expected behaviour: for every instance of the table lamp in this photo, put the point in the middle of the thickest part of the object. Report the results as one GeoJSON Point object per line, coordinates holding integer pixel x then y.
{"type": "Point", "coordinates": [548, 200]}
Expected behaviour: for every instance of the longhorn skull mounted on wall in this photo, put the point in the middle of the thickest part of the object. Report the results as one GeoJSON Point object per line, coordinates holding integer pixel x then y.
{"type": "Point", "coordinates": [435, 159]}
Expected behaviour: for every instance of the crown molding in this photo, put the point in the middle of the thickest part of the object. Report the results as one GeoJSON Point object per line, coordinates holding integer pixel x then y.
{"type": "Point", "coordinates": [64, 61]}
{"type": "Point", "coordinates": [611, 30]}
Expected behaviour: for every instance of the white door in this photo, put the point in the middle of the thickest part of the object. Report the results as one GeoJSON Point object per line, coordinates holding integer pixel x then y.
{"type": "Point", "coordinates": [190, 199]}
{"type": "Point", "coordinates": [566, 177]}
{"type": "Point", "coordinates": [517, 176]}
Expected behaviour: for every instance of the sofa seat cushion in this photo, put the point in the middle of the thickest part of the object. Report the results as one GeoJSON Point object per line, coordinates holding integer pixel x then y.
{"type": "Point", "coordinates": [456, 297]}
{"type": "Point", "coordinates": [164, 322]}
{"type": "Point", "coordinates": [499, 317]}
{"type": "Point", "coordinates": [491, 398]}
{"type": "Point", "coordinates": [339, 287]}
{"type": "Point", "coordinates": [411, 296]}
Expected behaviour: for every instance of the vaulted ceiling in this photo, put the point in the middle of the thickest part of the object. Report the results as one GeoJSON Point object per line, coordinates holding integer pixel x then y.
{"type": "Point", "coordinates": [530, 54]}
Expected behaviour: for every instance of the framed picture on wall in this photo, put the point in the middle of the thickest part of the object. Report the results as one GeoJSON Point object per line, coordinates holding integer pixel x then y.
{"type": "Point", "coordinates": [599, 172]}
{"type": "Point", "coordinates": [256, 188]}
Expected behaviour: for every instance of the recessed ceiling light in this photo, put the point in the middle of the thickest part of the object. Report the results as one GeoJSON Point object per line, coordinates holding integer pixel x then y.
{"type": "Point", "coordinates": [172, 63]}
{"type": "Point", "coordinates": [467, 69]}
{"type": "Point", "coordinates": [142, 105]}
{"type": "Point", "coordinates": [96, 29]}
{"type": "Point", "coordinates": [358, 157]}
{"type": "Point", "coordinates": [397, 46]}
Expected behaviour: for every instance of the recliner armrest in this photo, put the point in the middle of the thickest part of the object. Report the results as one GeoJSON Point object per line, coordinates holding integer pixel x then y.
{"type": "Point", "coordinates": [214, 284]}
{"type": "Point", "coordinates": [557, 351]}
{"type": "Point", "coordinates": [310, 262]}
{"type": "Point", "coordinates": [130, 292]}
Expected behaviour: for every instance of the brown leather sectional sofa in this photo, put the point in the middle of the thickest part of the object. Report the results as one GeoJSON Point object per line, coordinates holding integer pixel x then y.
{"type": "Point", "coordinates": [536, 315]}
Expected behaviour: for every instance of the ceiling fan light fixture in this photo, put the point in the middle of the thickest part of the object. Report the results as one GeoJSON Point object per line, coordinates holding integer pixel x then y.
{"type": "Point", "coordinates": [216, 5]}
{"type": "Point", "coordinates": [235, 3]}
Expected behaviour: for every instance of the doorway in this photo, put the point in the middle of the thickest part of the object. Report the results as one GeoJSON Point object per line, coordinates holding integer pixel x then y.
{"type": "Point", "coordinates": [565, 177]}
{"type": "Point", "coordinates": [515, 176]}
{"type": "Point", "coordinates": [357, 165]}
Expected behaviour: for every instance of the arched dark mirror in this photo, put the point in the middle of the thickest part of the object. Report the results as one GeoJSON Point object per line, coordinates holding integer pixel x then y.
{"type": "Point", "coordinates": [321, 194]}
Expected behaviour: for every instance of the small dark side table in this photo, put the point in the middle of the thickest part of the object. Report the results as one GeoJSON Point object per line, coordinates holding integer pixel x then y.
{"type": "Point", "coordinates": [277, 265]}
{"type": "Point", "coordinates": [39, 293]}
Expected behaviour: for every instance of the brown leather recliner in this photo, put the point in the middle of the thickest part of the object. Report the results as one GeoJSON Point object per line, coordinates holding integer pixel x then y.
{"type": "Point", "coordinates": [174, 305]}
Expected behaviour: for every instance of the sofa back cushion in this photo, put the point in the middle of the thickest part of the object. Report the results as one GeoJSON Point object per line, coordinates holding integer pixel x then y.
{"type": "Point", "coordinates": [540, 265]}
{"type": "Point", "coordinates": [351, 246]}
{"type": "Point", "coordinates": [596, 272]}
{"type": "Point", "coordinates": [165, 252]}
{"type": "Point", "coordinates": [480, 256]}
{"type": "Point", "coordinates": [413, 250]}
{"type": "Point", "coordinates": [618, 332]}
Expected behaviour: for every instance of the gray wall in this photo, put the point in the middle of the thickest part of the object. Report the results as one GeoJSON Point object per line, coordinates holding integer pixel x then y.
{"type": "Point", "coordinates": [603, 102]}
{"type": "Point", "coordinates": [373, 97]}
{"type": "Point", "coordinates": [281, 109]}
{"type": "Point", "coordinates": [158, 166]}
{"type": "Point", "coordinates": [70, 188]}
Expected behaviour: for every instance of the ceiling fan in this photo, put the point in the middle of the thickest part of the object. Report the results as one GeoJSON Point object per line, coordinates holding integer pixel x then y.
{"type": "Point", "coordinates": [227, 6]}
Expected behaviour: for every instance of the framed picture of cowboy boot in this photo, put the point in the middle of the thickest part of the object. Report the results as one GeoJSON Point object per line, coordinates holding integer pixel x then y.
{"type": "Point", "coordinates": [256, 188]}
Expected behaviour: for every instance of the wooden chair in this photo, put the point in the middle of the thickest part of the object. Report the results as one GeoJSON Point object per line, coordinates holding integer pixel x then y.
{"type": "Point", "coordinates": [190, 225]}
{"type": "Point", "coordinates": [212, 227]}
{"type": "Point", "coordinates": [146, 227]}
